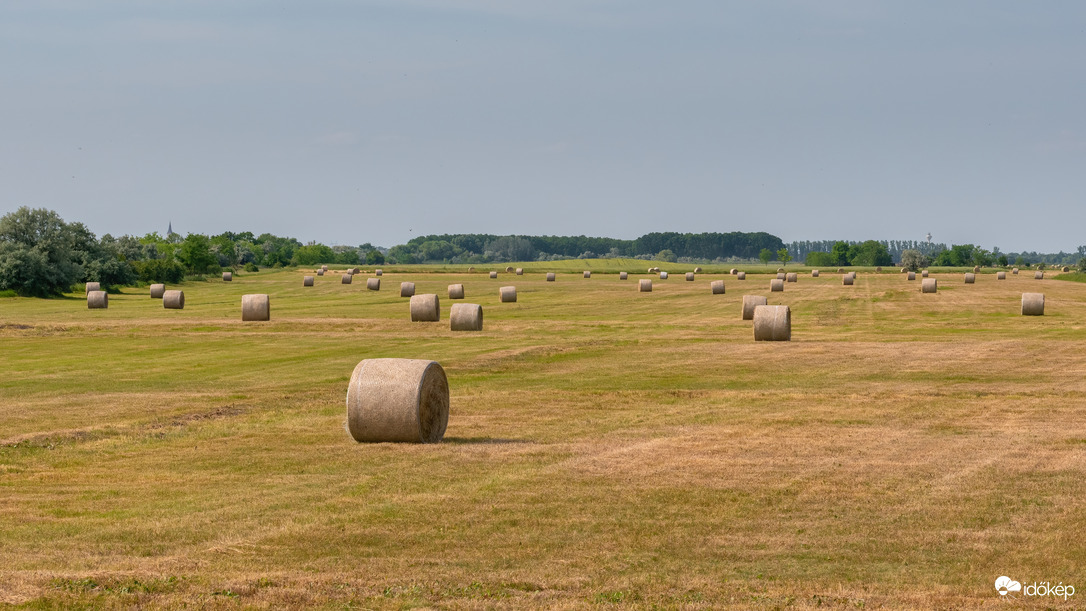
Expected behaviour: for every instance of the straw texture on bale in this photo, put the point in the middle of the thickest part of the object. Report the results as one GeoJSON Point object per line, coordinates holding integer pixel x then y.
{"type": "Point", "coordinates": [1033, 304]}
{"type": "Point", "coordinates": [97, 300]}
{"type": "Point", "coordinates": [550, 276]}
{"type": "Point", "coordinates": [255, 307]}
{"type": "Point", "coordinates": [847, 280]}
{"type": "Point", "coordinates": [92, 286]}
{"type": "Point", "coordinates": [910, 276]}
{"type": "Point", "coordinates": [741, 276]}
{"type": "Point", "coordinates": [508, 294]}
{"type": "Point", "coordinates": [623, 275]}
{"type": "Point", "coordinates": [587, 274]}
{"type": "Point", "coordinates": [466, 317]}
{"type": "Point", "coordinates": [749, 303]}
{"type": "Point", "coordinates": [346, 278]}
{"type": "Point", "coordinates": [320, 272]}
{"type": "Point", "coordinates": [157, 290]}
{"type": "Point", "coordinates": [493, 274]}
{"type": "Point", "coordinates": [456, 291]}
{"type": "Point", "coordinates": [644, 285]}
{"type": "Point", "coordinates": [780, 275]}
{"type": "Point", "coordinates": [307, 280]}
{"type": "Point", "coordinates": [227, 277]}
{"type": "Point", "coordinates": [689, 276]}
{"type": "Point", "coordinates": [401, 400]}
{"type": "Point", "coordinates": [520, 271]}
{"type": "Point", "coordinates": [924, 274]}
{"type": "Point", "coordinates": [970, 278]}
{"type": "Point", "coordinates": [733, 271]}
{"type": "Point", "coordinates": [772, 323]}
{"type": "Point", "coordinates": [791, 277]}
{"type": "Point", "coordinates": [1038, 275]}
{"type": "Point", "coordinates": [776, 285]}
{"type": "Point", "coordinates": [407, 289]}
{"type": "Point", "coordinates": [929, 285]}
{"type": "Point", "coordinates": [717, 286]}
{"type": "Point", "coordinates": [425, 308]}
{"type": "Point", "coordinates": [373, 284]}
{"type": "Point", "coordinates": [1001, 275]}
{"type": "Point", "coordinates": [173, 300]}
{"type": "Point", "coordinates": [814, 273]}
{"type": "Point", "coordinates": [663, 275]}
{"type": "Point", "coordinates": [379, 272]}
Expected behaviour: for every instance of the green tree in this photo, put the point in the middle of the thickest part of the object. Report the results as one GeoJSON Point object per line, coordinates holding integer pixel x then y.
{"type": "Point", "coordinates": [312, 254]}
{"type": "Point", "coordinates": [766, 256]}
{"type": "Point", "coordinates": [783, 256]}
{"type": "Point", "coordinates": [37, 253]}
{"type": "Point", "coordinates": [1002, 260]}
{"type": "Point", "coordinates": [840, 253]}
{"type": "Point", "coordinates": [913, 260]}
{"type": "Point", "coordinates": [374, 257]}
{"type": "Point", "coordinates": [870, 253]}
{"type": "Point", "coordinates": [817, 258]}
{"type": "Point", "coordinates": [195, 253]}
{"type": "Point", "coordinates": [666, 255]}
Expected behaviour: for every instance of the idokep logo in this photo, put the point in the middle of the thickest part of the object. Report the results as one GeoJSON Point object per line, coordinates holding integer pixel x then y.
{"type": "Point", "coordinates": [1005, 585]}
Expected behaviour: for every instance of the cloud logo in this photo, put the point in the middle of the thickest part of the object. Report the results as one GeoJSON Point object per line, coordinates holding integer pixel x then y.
{"type": "Point", "coordinates": [1006, 584]}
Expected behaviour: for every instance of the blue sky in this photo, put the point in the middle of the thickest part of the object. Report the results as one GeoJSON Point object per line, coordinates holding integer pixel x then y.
{"type": "Point", "coordinates": [353, 121]}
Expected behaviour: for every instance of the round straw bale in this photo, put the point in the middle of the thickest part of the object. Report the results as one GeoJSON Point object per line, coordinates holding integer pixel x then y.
{"type": "Point", "coordinates": [689, 276]}
{"type": "Point", "coordinates": [587, 274]}
{"type": "Point", "coordinates": [307, 280]}
{"type": "Point", "coordinates": [904, 270]}
{"type": "Point", "coordinates": [227, 277]}
{"type": "Point", "coordinates": [741, 276]}
{"type": "Point", "coordinates": [1065, 269]}
{"type": "Point", "coordinates": [346, 278]}
{"type": "Point", "coordinates": [1033, 304]}
{"type": "Point", "coordinates": [378, 272]}
{"type": "Point", "coordinates": [644, 285]}
{"type": "Point", "coordinates": [776, 285]}
{"type": "Point", "coordinates": [910, 276]}
{"type": "Point", "coordinates": [173, 300]}
{"type": "Point", "coordinates": [749, 303]}
{"type": "Point", "coordinates": [878, 269]}
{"type": "Point", "coordinates": [976, 269]}
{"type": "Point", "coordinates": [717, 286]}
{"type": "Point", "coordinates": [425, 308]}
{"type": "Point", "coordinates": [733, 271]}
{"type": "Point", "coordinates": [1038, 275]}
{"type": "Point", "coordinates": [403, 400]}
{"type": "Point", "coordinates": [550, 276]}
{"type": "Point", "coordinates": [508, 294]}
{"type": "Point", "coordinates": [255, 307]}
{"type": "Point", "coordinates": [791, 277]}
{"type": "Point", "coordinates": [471, 270]}
{"type": "Point", "coordinates": [324, 268]}
{"type": "Point", "coordinates": [924, 273]}
{"type": "Point", "coordinates": [456, 291]}
{"type": "Point", "coordinates": [493, 274]}
{"type": "Point", "coordinates": [840, 270]}
{"type": "Point", "coordinates": [929, 285]}
{"type": "Point", "coordinates": [772, 323]}
{"type": "Point", "coordinates": [97, 300]}
{"type": "Point", "coordinates": [509, 269]}
{"type": "Point", "coordinates": [466, 317]}
{"type": "Point", "coordinates": [520, 271]}
{"type": "Point", "coordinates": [407, 289]}
{"type": "Point", "coordinates": [780, 269]}
{"type": "Point", "coordinates": [320, 272]}
{"type": "Point", "coordinates": [1014, 271]}
{"type": "Point", "coordinates": [853, 274]}
{"type": "Point", "coordinates": [847, 280]}
{"type": "Point", "coordinates": [1001, 275]}
{"type": "Point", "coordinates": [623, 275]}
{"type": "Point", "coordinates": [157, 290]}
{"type": "Point", "coordinates": [651, 270]}
{"type": "Point", "coordinates": [970, 278]}
{"type": "Point", "coordinates": [373, 284]}
{"type": "Point", "coordinates": [92, 286]}
{"type": "Point", "coordinates": [663, 275]}
{"type": "Point", "coordinates": [655, 269]}
{"type": "Point", "coordinates": [814, 273]}
{"type": "Point", "coordinates": [697, 270]}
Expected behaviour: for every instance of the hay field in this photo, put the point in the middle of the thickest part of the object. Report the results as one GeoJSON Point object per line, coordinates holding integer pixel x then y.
{"type": "Point", "coordinates": [605, 447]}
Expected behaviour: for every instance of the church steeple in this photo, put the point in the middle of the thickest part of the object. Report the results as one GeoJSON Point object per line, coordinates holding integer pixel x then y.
{"type": "Point", "coordinates": [169, 229]}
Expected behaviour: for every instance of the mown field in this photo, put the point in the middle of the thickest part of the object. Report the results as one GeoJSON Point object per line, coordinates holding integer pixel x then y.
{"type": "Point", "coordinates": [605, 447]}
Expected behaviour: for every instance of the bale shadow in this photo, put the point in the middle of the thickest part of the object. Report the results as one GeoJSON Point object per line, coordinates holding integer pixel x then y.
{"type": "Point", "coordinates": [483, 441]}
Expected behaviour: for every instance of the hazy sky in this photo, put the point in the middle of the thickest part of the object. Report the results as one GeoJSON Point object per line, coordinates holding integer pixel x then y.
{"type": "Point", "coordinates": [353, 121]}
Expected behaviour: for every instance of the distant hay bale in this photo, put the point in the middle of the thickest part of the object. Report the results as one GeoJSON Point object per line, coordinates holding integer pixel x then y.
{"type": "Point", "coordinates": [1033, 304]}
{"type": "Point", "coordinates": [508, 294]}
{"type": "Point", "coordinates": [791, 277]}
{"type": "Point", "coordinates": [378, 272]}
{"type": "Point", "coordinates": [853, 274]}
{"type": "Point", "coordinates": [97, 300]}
{"type": "Point", "coordinates": [733, 271]}
{"type": "Point", "coordinates": [456, 291]}
{"type": "Point", "coordinates": [255, 307]}
{"type": "Point", "coordinates": [878, 270]}
{"type": "Point", "coordinates": [772, 323]}
{"type": "Point", "coordinates": [550, 276]}
{"type": "Point", "coordinates": [509, 269]}
{"type": "Point", "coordinates": [780, 275]}
{"type": "Point", "coordinates": [780, 269]}
{"type": "Point", "coordinates": [493, 274]}
{"type": "Point", "coordinates": [970, 278]}
{"type": "Point", "coordinates": [1065, 269]}
{"type": "Point", "coordinates": [663, 275]}
{"type": "Point", "coordinates": [227, 277]}
{"type": "Point", "coordinates": [623, 275]}
{"type": "Point", "coordinates": [929, 285]}
{"type": "Point", "coordinates": [157, 290]}
{"type": "Point", "coordinates": [976, 269]}
{"type": "Point", "coordinates": [355, 270]}
{"type": "Point", "coordinates": [520, 271]}
{"type": "Point", "coordinates": [307, 280]}
{"type": "Point", "coordinates": [471, 270]}
{"type": "Point", "coordinates": [373, 284]}
{"type": "Point", "coordinates": [689, 276]}
{"type": "Point", "coordinates": [924, 273]}
{"type": "Point", "coordinates": [717, 286]}
{"type": "Point", "coordinates": [644, 285]}
{"type": "Point", "coordinates": [741, 276]}
{"type": "Point", "coordinates": [651, 270]}
{"type": "Point", "coordinates": [324, 268]}
{"type": "Point", "coordinates": [466, 317]}
{"type": "Point", "coordinates": [910, 276]}
{"type": "Point", "coordinates": [320, 272]}
{"type": "Point", "coordinates": [847, 279]}
{"type": "Point", "coordinates": [1001, 275]}
{"type": "Point", "coordinates": [346, 278]}
{"type": "Point", "coordinates": [425, 308]}
{"type": "Point", "coordinates": [398, 400]}
{"type": "Point", "coordinates": [587, 274]}
{"type": "Point", "coordinates": [1038, 275]}
{"type": "Point", "coordinates": [1014, 271]}
{"type": "Point", "coordinates": [904, 270]}
{"type": "Point", "coordinates": [749, 303]}
{"type": "Point", "coordinates": [92, 286]}
{"type": "Point", "coordinates": [697, 270]}
{"type": "Point", "coordinates": [840, 270]}
{"type": "Point", "coordinates": [173, 300]}
{"type": "Point", "coordinates": [407, 289]}
{"type": "Point", "coordinates": [814, 273]}
{"type": "Point", "coordinates": [776, 285]}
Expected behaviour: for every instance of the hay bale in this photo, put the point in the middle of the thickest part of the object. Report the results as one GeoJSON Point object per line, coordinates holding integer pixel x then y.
{"type": "Point", "coordinates": [379, 272]}
{"type": "Point", "coordinates": [373, 284]}
{"type": "Point", "coordinates": [776, 285]}
{"type": "Point", "coordinates": [307, 280]}
{"type": "Point", "coordinates": [407, 289]}
{"type": "Point", "coordinates": [970, 278]}
{"type": "Point", "coordinates": [1001, 275]}
{"type": "Point", "coordinates": [651, 270]}
{"type": "Point", "coordinates": [466, 317]}
{"type": "Point", "coordinates": [910, 276]}
{"type": "Point", "coordinates": [976, 269]}
{"type": "Point", "coordinates": [97, 300]}
{"type": "Point", "coordinates": [697, 270]}
{"type": "Point", "coordinates": [508, 294]}
{"type": "Point", "coordinates": [749, 303]}
{"type": "Point", "coordinates": [92, 286]}
{"type": "Point", "coordinates": [623, 275]}
{"type": "Point", "coordinates": [255, 307]}
{"type": "Point", "coordinates": [663, 275]}
{"type": "Point", "coordinates": [587, 274]}
{"type": "Point", "coordinates": [847, 279]}
{"type": "Point", "coordinates": [1065, 269]}
{"type": "Point", "coordinates": [791, 277]}
{"type": "Point", "coordinates": [733, 271]}
{"type": "Point", "coordinates": [780, 269]}
{"type": "Point", "coordinates": [1033, 304]}
{"type": "Point", "coordinates": [493, 274]}
{"type": "Point", "coordinates": [324, 268]}
{"type": "Point", "coordinates": [424, 308]}
{"type": "Point", "coordinates": [717, 287]}
{"type": "Point", "coordinates": [1014, 271]}
{"type": "Point", "coordinates": [320, 272]}
{"type": "Point", "coordinates": [520, 271]}
{"type": "Point", "coordinates": [878, 270]}
{"type": "Point", "coordinates": [173, 300]}
{"type": "Point", "coordinates": [346, 278]}
{"type": "Point", "coordinates": [227, 277]}
{"type": "Point", "coordinates": [840, 270]}
{"type": "Point", "coordinates": [644, 285]}
{"type": "Point", "coordinates": [157, 290]}
{"type": "Point", "coordinates": [780, 276]}
{"type": "Point", "coordinates": [904, 270]}
{"type": "Point", "coordinates": [924, 273]}
{"type": "Point", "coordinates": [853, 274]}
{"type": "Point", "coordinates": [456, 291]}
{"type": "Point", "coordinates": [550, 276]}
{"type": "Point", "coordinates": [471, 270]}
{"type": "Point", "coordinates": [689, 276]}
{"type": "Point", "coordinates": [741, 276]}
{"type": "Point", "coordinates": [401, 400]}
{"type": "Point", "coordinates": [509, 269]}
{"type": "Point", "coordinates": [929, 285]}
{"type": "Point", "coordinates": [814, 273]}
{"type": "Point", "coordinates": [772, 323]}
{"type": "Point", "coordinates": [1038, 275]}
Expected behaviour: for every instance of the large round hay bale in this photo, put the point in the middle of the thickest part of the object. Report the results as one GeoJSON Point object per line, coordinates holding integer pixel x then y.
{"type": "Point", "coordinates": [324, 268]}
{"type": "Point", "coordinates": [644, 285]}
{"type": "Point", "coordinates": [587, 274]}
{"type": "Point", "coordinates": [97, 300]}
{"type": "Point", "coordinates": [1014, 271]}
{"type": "Point", "coordinates": [772, 323]}
{"type": "Point", "coordinates": [717, 287]}
{"type": "Point", "coordinates": [378, 272]}
{"type": "Point", "coordinates": [663, 275]}
{"type": "Point", "coordinates": [1033, 304]}
{"type": "Point", "coordinates": [904, 270]}
{"type": "Point", "coordinates": [1038, 275]}
{"type": "Point", "coordinates": [976, 269]}
{"type": "Point", "coordinates": [425, 308]}
{"type": "Point", "coordinates": [227, 277]}
{"type": "Point", "coordinates": [910, 276]}
{"type": "Point", "coordinates": [92, 286]}
{"type": "Point", "coordinates": [456, 291]}
{"type": "Point", "coordinates": [173, 300]}
{"type": "Point", "coordinates": [346, 278]}
{"type": "Point", "coordinates": [320, 272]}
{"type": "Point", "coordinates": [749, 303]}
{"type": "Point", "coordinates": [652, 269]}
{"type": "Point", "coordinates": [853, 274]}
{"type": "Point", "coordinates": [847, 279]}
{"type": "Point", "coordinates": [1001, 275]}
{"type": "Point", "coordinates": [407, 289]}
{"type": "Point", "coordinates": [776, 285]}
{"type": "Point", "coordinates": [373, 284]}
{"type": "Point", "coordinates": [929, 285]}
{"type": "Point", "coordinates": [508, 294]}
{"type": "Point", "coordinates": [493, 274]}
{"type": "Point", "coordinates": [741, 276]}
{"type": "Point", "coordinates": [520, 271]}
{"type": "Point", "coordinates": [780, 276]}
{"type": "Point", "coordinates": [255, 307]}
{"type": "Point", "coordinates": [689, 276]}
{"type": "Point", "coordinates": [623, 275]}
{"type": "Point", "coordinates": [791, 277]}
{"type": "Point", "coordinates": [814, 273]}
{"type": "Point", "coordinates": [466, 317]}
{"type": "Point", "coordinates": [550, 276]}
{"type": "Point", "coordinates": [403, 400]}
{"type": "Point", "coordinates": [307, 280]}
{"type": "Point", "coordinates": [157, 290]}
{"type": "Point", "coordinates": [924, 273]}
{"type": "Point", "coordinates": [733, 271]}
{"type": "Point", "coordinates": [970, 278]}
{"type": "Point", "coordinates": [509, 269]}
{"type": "Point", "coordinates": [1065, 269]}
{"type": "Point", "coordinates": [697, 270]}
